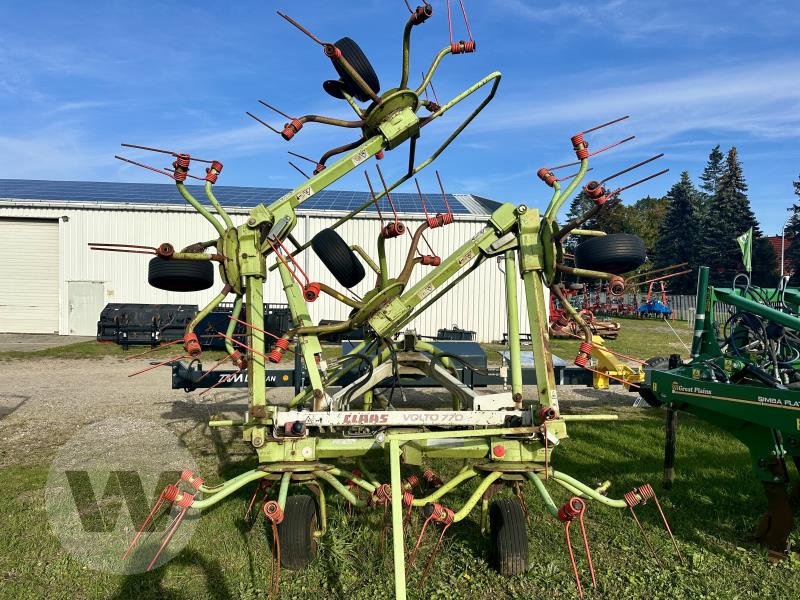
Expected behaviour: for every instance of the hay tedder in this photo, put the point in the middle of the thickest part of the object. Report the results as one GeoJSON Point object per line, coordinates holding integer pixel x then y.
{"type": "Point", "coordinates": [743, 376]}
{"type": "Point", "coordinates": [322, 439]}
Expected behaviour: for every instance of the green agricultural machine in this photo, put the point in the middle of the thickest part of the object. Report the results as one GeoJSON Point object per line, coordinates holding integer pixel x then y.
{"type": "Point", "coordinates": [743, 376]}
{"type": "Point", "coordinates": [326, 436]}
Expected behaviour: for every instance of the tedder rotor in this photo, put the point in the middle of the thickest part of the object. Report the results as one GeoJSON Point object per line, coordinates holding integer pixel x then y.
{"type": "Point", "coordinates": [318, 440]}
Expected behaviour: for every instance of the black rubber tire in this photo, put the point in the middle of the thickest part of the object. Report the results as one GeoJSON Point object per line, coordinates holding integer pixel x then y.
{"type": "Point", "coordinates": [659, 363]}
{"type": "Point", "coordinates": [337, 256]}
{"type": "Point", "coordinates": [296, 532]}
{"type": "Point", "coordinates": [353, 54]}
{"type": "Point", "coordinates": [508, 537]}
{"type": "Point", "coordinates": [180, 275]}
{"type": "Point", "coordinates": [616, 253]}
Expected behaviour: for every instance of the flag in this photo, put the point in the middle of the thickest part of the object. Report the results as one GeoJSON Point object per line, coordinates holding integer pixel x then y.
{"type": "Point", "coordinates": [746, 244]}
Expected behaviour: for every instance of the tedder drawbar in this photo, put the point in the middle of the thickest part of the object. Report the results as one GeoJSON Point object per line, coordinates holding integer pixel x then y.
{"type": "Point", "coordinates": [744, 377]}
{"type": "Point", "coordinates": [502, 439]}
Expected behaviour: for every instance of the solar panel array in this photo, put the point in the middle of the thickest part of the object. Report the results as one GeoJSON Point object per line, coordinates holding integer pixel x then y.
{"type": "Point", "coordinates": [229, 196]}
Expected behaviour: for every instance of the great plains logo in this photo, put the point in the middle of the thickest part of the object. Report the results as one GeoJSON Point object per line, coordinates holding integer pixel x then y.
{"type": "Point", "coordinates": [677, 387]}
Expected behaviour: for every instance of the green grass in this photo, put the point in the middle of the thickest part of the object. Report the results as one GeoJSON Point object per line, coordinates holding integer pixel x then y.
{"type": "Point", "coordinates": [712, 507]}
{"type": "Point", "coordinates": [639, 338]}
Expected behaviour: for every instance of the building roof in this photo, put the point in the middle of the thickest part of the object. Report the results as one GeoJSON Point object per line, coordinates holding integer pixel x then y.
{"type": "Point", "coordinates": [231, 196]}
{"type": "Point", "coordinates": [776, 241]}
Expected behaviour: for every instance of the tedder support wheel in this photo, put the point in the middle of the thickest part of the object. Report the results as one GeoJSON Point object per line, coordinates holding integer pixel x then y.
{"type": "Point", "coordinates": [296, 532]}
{"type": "Point", "coordinates": [508, 537]}
{"type": "Point", "coordinates": [359, 61]}
{"type": "Point", "coordinates": [616, 253]}
{"type": "Point", "coordinates": [180, 275]}
{"type": "Point", "coordinates": [337, 256]}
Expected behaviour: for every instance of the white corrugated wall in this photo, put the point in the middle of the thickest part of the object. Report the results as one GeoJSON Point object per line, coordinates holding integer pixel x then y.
{"type": "Point", "coordinates": [477, 303]}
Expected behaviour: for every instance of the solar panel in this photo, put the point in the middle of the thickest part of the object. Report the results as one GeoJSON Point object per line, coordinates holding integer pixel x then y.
{"type": "Point", "coordinates": [229, 196]}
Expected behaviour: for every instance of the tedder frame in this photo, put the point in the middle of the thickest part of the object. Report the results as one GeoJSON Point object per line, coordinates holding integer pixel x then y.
{"type": "Point", "coordinates": [500, 437]}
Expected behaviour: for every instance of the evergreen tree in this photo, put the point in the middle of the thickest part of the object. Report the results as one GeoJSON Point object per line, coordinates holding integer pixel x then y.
{"type": "Point", "coordinates": [729, 216]}
{"type": "Point", "coordinates": [712, 172]}
{"type": "Point", "coordinates": [709, 181]}
{"type": "Point", "coordinates": [608, 220]}
{"type": "Point", "coordinates": [792, 241]}
{"type": "Point", "coordinates": [679, 232]}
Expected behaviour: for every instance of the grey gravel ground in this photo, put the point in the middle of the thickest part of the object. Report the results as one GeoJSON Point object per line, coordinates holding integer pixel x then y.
{"type": "Point", "coordinates": [44, 402]}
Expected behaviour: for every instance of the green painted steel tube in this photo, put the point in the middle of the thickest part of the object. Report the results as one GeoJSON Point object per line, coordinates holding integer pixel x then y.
{"type": "Point", "coordinates": [757, 308]}
{"type": "Point", "coordinates": [200, 208]}
{"type": "Point", "coordinates": [208, 308]}
{"type": "Point", "coordinates": [384, 267]}
{"type": "Point", "coordinates": [330, 174]}
{"type": "Point", "coordinates": [467, 433]}
{"type": "Point", "coordinates": [367, 258]}
{"type": "Point", "coordinates": [356, 77]}
{"type": "Point", "coordinates": [339, 487]}
{"type": "Point", "coordinates": [539, 328]}
{"type": "Point", "coordinates": [228, 488]}
{"type": "Point", "coordinates": [227, 423]}
{"type": "Point", "coordinates": [356, 108]}
{"type": "Point", "coordinates": [432, 299]}
{"type": "Point", "coordinates": [572, 490]}
{"type": "Point", "coordinates": [398, 543]}
{"type": "Point", "coordinates": [256, 385]}
{"type": "Point", "coordinates": [309, 345]}
{"type": "Point", "coordinates": [237, 311]}
{"type": "Point", "coordinates": [446, 487]}
{"type": "Point", "coordinates": [431, 349]}
{"type": "Point", "coordinates": [584, 272]}
{"type": "Point", "coordinates": [283, 492]}
{"type": "Point", "coordinates": [339, 296]}
{"type": "Point", "coordinates": [476, 495]}
{"type": "Point", "coordinates": [217, 206]}
{"type": "Point", "coordinates": [357, 480]}
{"type": "Point", "coordinates": [588, 232]}
{"type": "Point", "coordinates": [213, 489]}
{"type": "Point", "coordinates": [575, 491]}
{"type": "Point", "coordinates": [556, 193]}
{"type": "Point", "coordinates": [406, 53]}
{"type": "Point", "coordinates": [434, 65]}
{"type": "Point", "coordinates": [552, 210]}
{"type": "Point", "coordinates": [512, 308]}
{"type": "Point", "coordinates": [323, 508]}
{"type": "Point", "coordinates": [589, 417]}
{"type": "Point", "coordinates": [700, 308]}
{"type": "Point", "coordinates": [587, 491]}
{"type": "Point", "coordinates": [548, 500]}
{"type": "Point", "coordinates": [304, 395]}
{"type": "Point", "coordinates": [367, 473]}
{"type": "Point", "coordinates": [493, 78]}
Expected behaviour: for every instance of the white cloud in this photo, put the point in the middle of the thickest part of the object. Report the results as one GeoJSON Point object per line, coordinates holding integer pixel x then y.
{"type": "Point", "coordinates": [761, 100]}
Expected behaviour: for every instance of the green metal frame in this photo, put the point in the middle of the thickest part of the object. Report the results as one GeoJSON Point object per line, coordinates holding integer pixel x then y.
{"type": "Point", "coordinates": [531, 250]}
{"type": "Point", "coordinates": [714, 386]}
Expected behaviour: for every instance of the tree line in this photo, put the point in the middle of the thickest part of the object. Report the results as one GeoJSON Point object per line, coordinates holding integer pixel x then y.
{"type": "Point", "coordinates": [699, 224]}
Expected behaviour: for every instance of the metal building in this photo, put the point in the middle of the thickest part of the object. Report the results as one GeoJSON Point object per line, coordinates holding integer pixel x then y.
{"type": "Point", "coordinates": [51, 282]}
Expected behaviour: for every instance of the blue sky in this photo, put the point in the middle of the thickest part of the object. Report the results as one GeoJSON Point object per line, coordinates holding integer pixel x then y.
{"type": "Point", "coordinates": [78, 78]}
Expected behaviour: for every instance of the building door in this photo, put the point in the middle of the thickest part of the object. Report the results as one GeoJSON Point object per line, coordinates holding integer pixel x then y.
{"type": "Point", "coordinates": [29, 300]}
{"type": "Point", "coordinates": [86, 301]}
